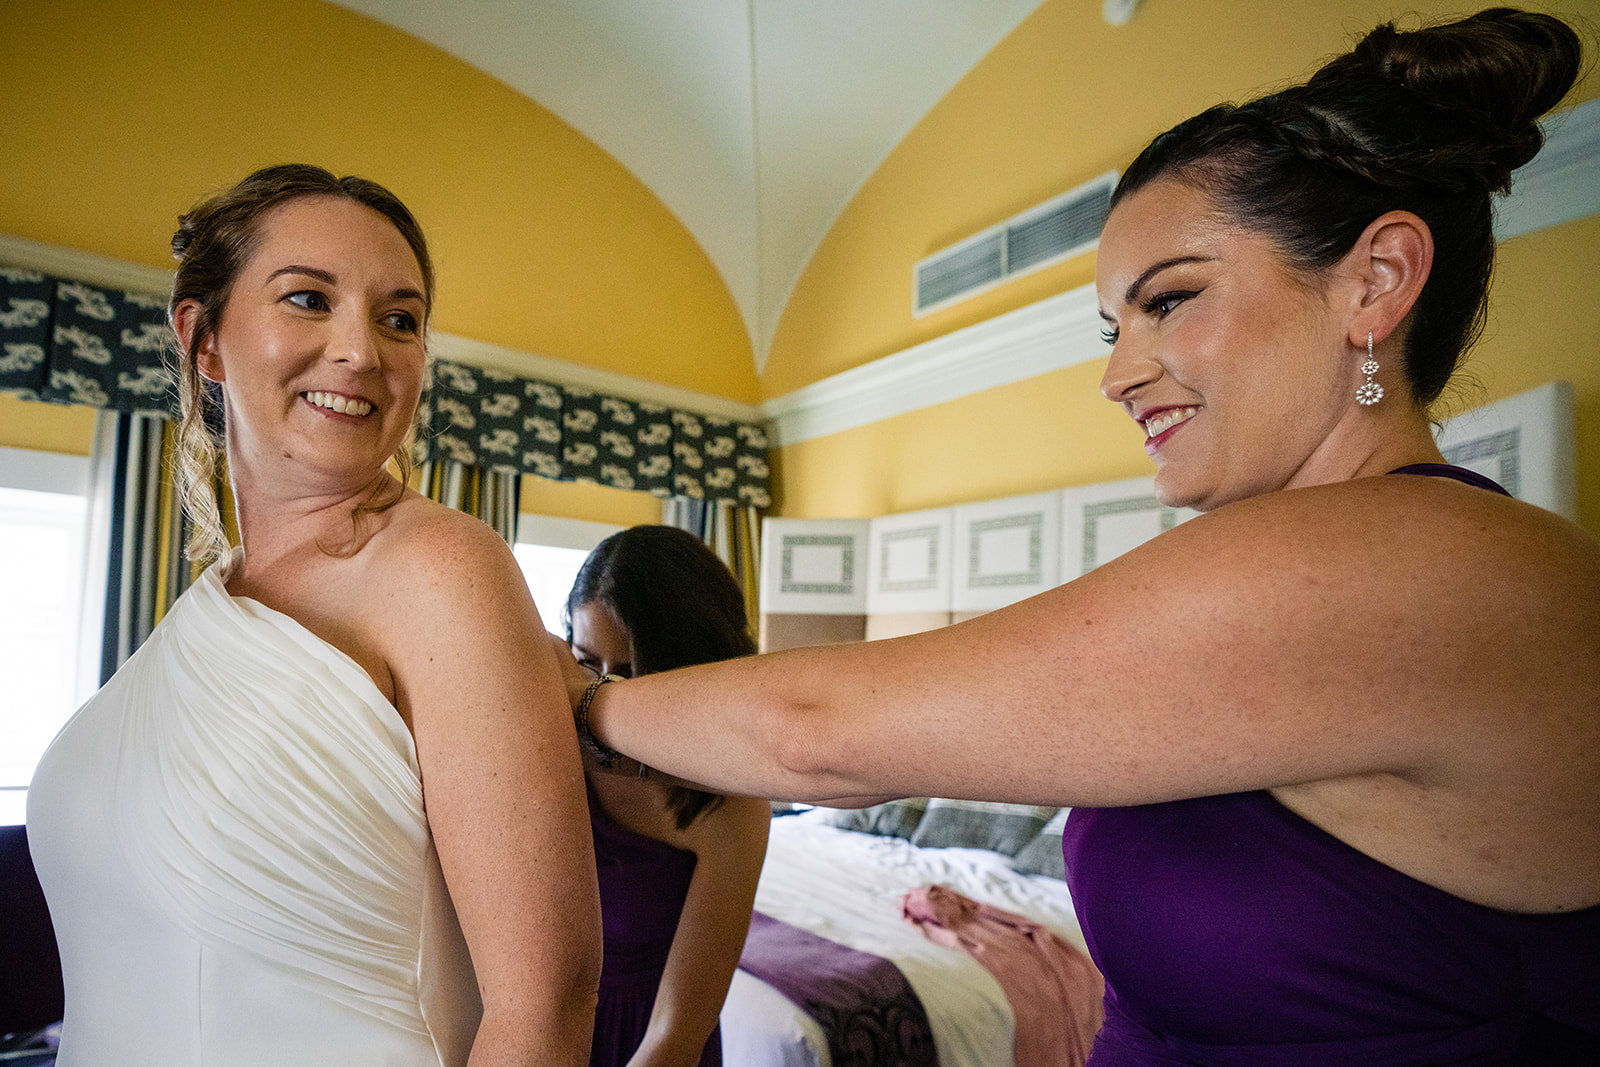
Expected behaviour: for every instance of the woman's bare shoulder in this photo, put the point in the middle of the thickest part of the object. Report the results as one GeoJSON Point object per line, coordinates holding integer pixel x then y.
{"type": "Point", "coordinates": [432, 566]}
{"type": "Point", "coordinates": [1431, 528]}
{"type": "Point", "coordinates": [424, 545]}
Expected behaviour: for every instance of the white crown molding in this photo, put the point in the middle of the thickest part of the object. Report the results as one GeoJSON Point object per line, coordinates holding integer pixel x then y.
{"type": "Point", "coordinates": [79, 266]}
{"type": "Point", "coordinates": [1562, 182]}
{"type": "Point", "coordinates": [1055, 332]}
{"type": "Point", "coordinates": [1557, 186]}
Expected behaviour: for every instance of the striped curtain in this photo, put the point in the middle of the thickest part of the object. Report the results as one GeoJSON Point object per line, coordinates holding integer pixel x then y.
{"type": "Point", "coordinates": [491, 495]}
{"type": "Point", "coordinates": [733, 532]}
{"type": "Point", "coordinates": [140, 521]}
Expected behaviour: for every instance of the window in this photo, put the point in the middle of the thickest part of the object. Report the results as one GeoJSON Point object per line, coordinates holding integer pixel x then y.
{"type": "Point", "coordinates": [550, 551]}
{"type": "Point", "coordinates": [550, 571]}
{"type": "Point", "coordinates": [43, 524]}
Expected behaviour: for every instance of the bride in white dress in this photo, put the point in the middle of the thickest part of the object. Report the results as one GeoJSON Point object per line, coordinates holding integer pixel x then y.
{"type": "Point", "coordinates": [332, 810]}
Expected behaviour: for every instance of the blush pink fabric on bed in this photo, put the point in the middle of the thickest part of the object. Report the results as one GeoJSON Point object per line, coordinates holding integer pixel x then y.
{"type": "Point", "coordinates": [1055, 992]}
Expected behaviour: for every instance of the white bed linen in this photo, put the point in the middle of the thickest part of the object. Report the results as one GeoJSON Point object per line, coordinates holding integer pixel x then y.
{"type": "Point", "coordinates": [847, 886]}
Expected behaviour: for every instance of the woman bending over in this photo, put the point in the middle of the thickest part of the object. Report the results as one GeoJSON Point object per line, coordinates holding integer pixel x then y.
{"type": "Point", "coordinates": [678, 865]}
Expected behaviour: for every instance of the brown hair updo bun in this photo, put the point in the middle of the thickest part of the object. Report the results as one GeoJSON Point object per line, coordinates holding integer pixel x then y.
{"type": "Point", "coordinates": [1431, 121]}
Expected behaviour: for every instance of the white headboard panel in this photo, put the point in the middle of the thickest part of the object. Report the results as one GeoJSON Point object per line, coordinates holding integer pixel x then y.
{"type": "Point", "coordinates": [814, 566]}
{"type": "Point", "coordinates": [1524, 442]}
{"type": "Point", "coordinates": [972, 558]}
{"type": "Point", "coordinates": [911, 562]}
{"type": "Point", "coordinates": [1101, 522]}
{"type": "Point", "coordinates": [1006, 550]}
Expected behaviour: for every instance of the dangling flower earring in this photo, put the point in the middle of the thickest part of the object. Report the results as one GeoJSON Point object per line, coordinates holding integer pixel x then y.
{"type": "Point", "coordinates": [1370, 393]}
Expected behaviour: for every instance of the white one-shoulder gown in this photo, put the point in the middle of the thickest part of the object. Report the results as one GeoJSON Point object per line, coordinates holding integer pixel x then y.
{"type": "Point", "coordinates": [232, 840]}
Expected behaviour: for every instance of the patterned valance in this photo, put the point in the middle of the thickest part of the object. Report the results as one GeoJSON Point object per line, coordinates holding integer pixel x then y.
{"type": "Point", "coordinates": [496, 420]}
{"type": "Point", "coordinates": [66, 342]}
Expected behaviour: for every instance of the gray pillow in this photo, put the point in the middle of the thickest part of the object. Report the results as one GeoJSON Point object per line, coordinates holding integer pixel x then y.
{"type": "Point", "coordinates": [1003, 828]}
{"type": "Point", "coordinates": [1042, 855]}
{"type": "Point", "coordinates": [893, 818]}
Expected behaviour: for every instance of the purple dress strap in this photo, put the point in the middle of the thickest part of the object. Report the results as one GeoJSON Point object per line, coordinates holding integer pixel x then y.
{"type": "Point", "coordinates": [1448, 470]}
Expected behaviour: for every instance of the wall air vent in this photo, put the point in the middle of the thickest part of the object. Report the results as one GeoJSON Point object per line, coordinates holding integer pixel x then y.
{"type": "Point", "coordinates": [1058, 228]}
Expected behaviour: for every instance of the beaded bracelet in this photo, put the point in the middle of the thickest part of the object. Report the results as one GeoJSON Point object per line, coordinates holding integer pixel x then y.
{"type": "Point", "coordinates": [580, 716]}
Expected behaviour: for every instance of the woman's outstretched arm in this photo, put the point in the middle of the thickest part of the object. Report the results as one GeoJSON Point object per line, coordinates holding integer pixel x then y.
{"type": "Point", "coordinates": [1302, 636]}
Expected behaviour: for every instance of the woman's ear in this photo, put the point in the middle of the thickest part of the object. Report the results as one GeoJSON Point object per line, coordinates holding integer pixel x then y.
{"type": "Point", "coordinates": [185, 320]}
{"type": "Point", "coordinates": [1391, 262]}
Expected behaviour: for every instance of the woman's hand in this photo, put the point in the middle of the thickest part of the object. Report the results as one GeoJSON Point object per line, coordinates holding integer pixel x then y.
{"type": "Point", "coordinates": [574, 675]}
{"type": "Point", "coordinates": [577, 678]}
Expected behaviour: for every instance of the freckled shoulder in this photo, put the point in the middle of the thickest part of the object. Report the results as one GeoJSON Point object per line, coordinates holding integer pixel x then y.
{"type": "Point", "coordinates": [430, 556]}
{"type": "Point", "coordinates": [1407, 514]}
{"type": "Point", "coordinates": [1444, 548]}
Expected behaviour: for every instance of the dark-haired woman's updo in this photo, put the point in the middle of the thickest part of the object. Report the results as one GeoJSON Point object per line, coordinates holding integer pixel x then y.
{"type": "Point", "coordinates": [214, 241]}
{"type": "Point", "coordinates": [1430, 121]}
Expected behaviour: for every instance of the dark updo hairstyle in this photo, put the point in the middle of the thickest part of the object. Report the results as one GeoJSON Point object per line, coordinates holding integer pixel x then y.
{"type": "Point", "coordinates": [679, 604]}
{"type": "Point", "coordinates": [1430, 121]}
{"type": "Point", "coordinates": [213, 243]}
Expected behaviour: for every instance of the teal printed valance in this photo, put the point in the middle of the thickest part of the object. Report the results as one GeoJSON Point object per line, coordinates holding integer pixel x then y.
{"type": "Point", "coordinates": [492, 419]}
{"type": "Point", "coordinates": [65, 342]}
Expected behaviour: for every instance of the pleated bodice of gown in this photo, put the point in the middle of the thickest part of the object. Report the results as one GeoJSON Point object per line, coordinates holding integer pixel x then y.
{"type": "Point", "coordinates": [232, 840]}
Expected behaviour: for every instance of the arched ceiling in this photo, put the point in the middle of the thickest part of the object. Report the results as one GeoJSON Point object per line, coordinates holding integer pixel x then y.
{"type": "Point", "coordinates": [754, 121]}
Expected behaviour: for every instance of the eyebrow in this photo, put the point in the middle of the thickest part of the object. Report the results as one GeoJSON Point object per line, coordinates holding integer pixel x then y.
{"type": "Point", "coordinates": [327, 278]}
{"type": "Point", "coordinates": [584, 650]}
{"type": "Point", "coordinates": [310, 272]}
{"type": "Point", "coordinates": [1156, 268]}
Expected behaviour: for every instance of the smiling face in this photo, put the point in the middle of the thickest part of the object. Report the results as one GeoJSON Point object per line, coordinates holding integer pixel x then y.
{"type": "Point", "coordinates": [1237, 368]}
{"type": "Point", "coordinates": [320, 347]}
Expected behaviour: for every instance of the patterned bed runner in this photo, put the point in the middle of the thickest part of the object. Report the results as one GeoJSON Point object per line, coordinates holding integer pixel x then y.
{"type": "Point", "coordinates": [868, 1010]}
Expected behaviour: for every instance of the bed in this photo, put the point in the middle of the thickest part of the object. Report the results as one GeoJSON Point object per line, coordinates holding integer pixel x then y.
{"type": "Point", "coordinates": [843, 874]}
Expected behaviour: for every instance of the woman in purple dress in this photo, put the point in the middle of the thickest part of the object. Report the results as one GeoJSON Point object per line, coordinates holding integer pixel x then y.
{"type": "Point", "coordinates": [1333, 746]}
{"type": "Point", "coordinates": [678, 866]}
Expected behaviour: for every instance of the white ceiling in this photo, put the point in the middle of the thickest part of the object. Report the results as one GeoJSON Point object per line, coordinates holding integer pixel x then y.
{"type": "Point", "coordinates": [754, 121]}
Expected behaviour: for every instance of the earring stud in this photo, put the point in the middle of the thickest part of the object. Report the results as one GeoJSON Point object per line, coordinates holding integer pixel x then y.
{"type": "Point", "coordinates": [1370, 393]}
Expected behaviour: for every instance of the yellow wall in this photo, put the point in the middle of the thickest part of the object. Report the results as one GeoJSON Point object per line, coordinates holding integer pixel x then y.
{"type": "Point", "coordinates": [592, 503]}
{"type": "Point", "coordinates": [120, 113]}
{"type": "Point", "coordinates": [46, 427]}
{"type": "Point", "coordinates": [1064, 98]}
{"type": "Point", "coordinates": [1544, 323]}
{"type": "Point", "coordinates": [1042, 433]}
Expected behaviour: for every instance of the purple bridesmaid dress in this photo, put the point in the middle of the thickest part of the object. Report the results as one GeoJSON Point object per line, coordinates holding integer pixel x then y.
{"type": "Point", "coordinates": [643, 885]}
{"type": "Point", "coordinates": [1234, 933]}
